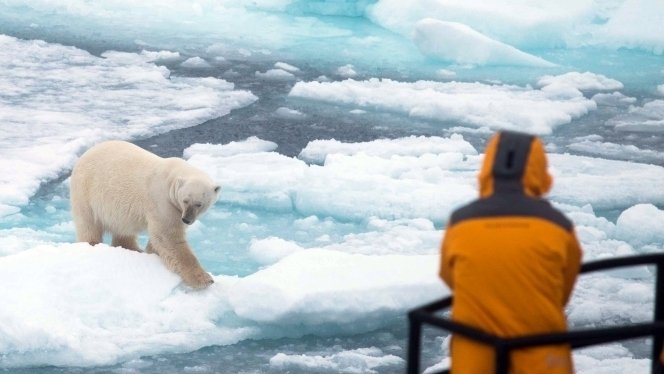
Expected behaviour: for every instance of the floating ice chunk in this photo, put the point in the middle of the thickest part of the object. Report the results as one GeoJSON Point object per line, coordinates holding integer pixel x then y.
{"type": "Point", "coordinates": [660, 90]}
{"type": "Point", "coordinates": [317, 150]}
{"type": "Point", "coordinates": [288, 67]}
{"type": "Point", "coordinates": [195, 63]}
{"type": "Point", "coordinates": [250, 145]}
{"type": "Point", "coordinates": [402, 237]}
{"type": "Point", "coordinates": [647, 118]}
{"type": "Point", "coordinates": [459, 43]}
{"type": "Point", "coordinates": [494, 106]}
{"type": "Point", "coordinates": [445, 74]}
{"type": "Point", "coordinates": [19, 239]}
{"type": "Point", "coordinates": [120, 96]}
{"type": "Point", "coordinates": [321, 287]}
{"type": "Point", "coordinates": [348, 187]}
{"type": "Point", "coordinates": [641, 224]}
{"type": "Point", "coordinates": [634, 24]}
{"type": "Point", "coordinates": [605, 184]}
{"type": "Point", "coordinates": [275, 74]}
{"type": "Point", "coordinates": [79, 305]}
{"type": "Point", "coordinates": [357, 111]}
{"type": "Point", "coordinates": [631, 300]}
{"type": "Point", "coordinates": [529, 24]}
{"type": "Point", "coordinates": [617, 151]}
{"type": "Point", "coordinates": [608, 359]}
{"type": "Point", "coordinates": [582, 81]}
{"type": "Point", "coordinates": [288, 113]}
{"type": "Point", "coordinates": [144, 56]}
{"type": "Point", "coordinates": [613, 99]}
{"type": "Point", "coordinates": [403, 178]}
{"type": "Point", "coordinates": [361, 360]}
{"type": "Point", "coordinates": [264, 178]}
{"type": "Point", "coordinates": [270, 250]}
{"type": "Point", "coordinates": [346, 71]}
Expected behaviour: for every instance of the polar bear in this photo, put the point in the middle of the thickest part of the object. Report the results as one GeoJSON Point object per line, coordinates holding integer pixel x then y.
{"type": "Point", "coordinates": [120, 188]}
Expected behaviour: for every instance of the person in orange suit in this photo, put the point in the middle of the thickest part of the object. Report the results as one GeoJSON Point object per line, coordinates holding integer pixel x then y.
{"type": "Point", "coordinates": [511, 261]}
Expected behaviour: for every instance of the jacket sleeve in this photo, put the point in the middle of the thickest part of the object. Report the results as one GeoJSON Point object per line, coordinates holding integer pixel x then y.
{"type": "Point", "coordinates": [572, 266]}
{"type": "Point", "coordinates": [446, 260]}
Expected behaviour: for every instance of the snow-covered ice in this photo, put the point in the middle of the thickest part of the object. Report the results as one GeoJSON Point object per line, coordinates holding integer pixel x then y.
{"type": "Point", "coordinates": [361, 360]}
{"type": "Point", "coordinates": [55, 101]}
{"type": "Point", "coordinates": [390, 267]}
{"type": "Point", "coordinates": [456, 42]}
{"type": "Point", "coordinates": [495, 106]}
{"type": "Point", "coordinates": [335, 244]}
{"type": "Point", "coordinates": [646, 118]}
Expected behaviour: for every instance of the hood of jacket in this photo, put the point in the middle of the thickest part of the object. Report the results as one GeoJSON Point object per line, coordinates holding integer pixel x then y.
{"type": "Point", "coordinates": [514, 162]}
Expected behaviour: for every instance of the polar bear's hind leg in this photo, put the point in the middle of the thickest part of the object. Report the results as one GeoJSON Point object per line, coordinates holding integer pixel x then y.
{"type": "Point", "coordinates": [127, 242]}
{"type": "Point", "coordinates": [88, 229]}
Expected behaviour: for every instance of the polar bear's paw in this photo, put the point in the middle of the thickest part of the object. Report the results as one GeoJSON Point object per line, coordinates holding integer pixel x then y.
{"type": "Point", "coordinates": [199, 280]}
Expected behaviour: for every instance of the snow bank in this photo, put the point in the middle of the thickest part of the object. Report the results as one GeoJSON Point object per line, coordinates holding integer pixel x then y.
{"type": "Point", "coordinates": [461, 44]}
{"type": "Point", "coordinates": [478, 104]}
{"type": "Point", "coordinates": [56, 101]}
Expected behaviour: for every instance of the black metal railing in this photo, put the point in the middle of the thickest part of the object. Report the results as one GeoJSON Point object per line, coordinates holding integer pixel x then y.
{"type": "Point", "coordinates": [576, 338]}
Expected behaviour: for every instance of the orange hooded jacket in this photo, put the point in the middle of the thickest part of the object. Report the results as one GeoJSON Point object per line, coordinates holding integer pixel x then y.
{"type": "Point", "coordinates": [511, 260]}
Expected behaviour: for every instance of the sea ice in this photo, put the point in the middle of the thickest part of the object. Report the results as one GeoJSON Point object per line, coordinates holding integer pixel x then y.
{"type": "Point", "coordinates": [56, 101]}
{"type": "Point", "coordinates": [617, 151]}
{"type": "Point", "coordinates": [362, 360]}
{"type": "Point", "coordinates": [319, 287]}
{"type": "Point", "coordinates": [613, 99]}
{"type": "Point", "coordinates": [582, 81]}
{"type": "Point", "coordinates": [641, 224]}
{"type": "Point", "coordinates": [494, 106]}
{"type": "Point", "coordinates": [317, 150]}
{"type": "Point", "coordinates": [459, 43]}
{"type": "Point", "coordinates": [288, 113]}
{"type": "Point", "coordinates": [285, 66]}
{"type": "Point", "coordinates": [648, 118]}
{"type": "Point", "coordinates": [346, 71]}
{"type": "Point", "coordinates": [276, 74]}
{"type": "Point", "coordinates": [195, 63]}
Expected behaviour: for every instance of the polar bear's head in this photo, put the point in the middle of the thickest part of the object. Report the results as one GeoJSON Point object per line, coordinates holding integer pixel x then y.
{"type": "Point", "coordinates": [194, 197]}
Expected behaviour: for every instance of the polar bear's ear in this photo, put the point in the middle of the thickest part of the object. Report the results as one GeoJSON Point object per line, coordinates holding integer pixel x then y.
{"type": "Point", "coordinates": [216, 189]}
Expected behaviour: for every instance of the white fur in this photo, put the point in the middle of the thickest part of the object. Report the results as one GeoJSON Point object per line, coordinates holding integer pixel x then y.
{"type": "Point", "coordinates": [120, 188]}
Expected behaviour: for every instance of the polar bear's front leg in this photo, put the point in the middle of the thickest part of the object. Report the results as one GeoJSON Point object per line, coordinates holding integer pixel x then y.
{"type": "Point", "coordinates": [178, 258]}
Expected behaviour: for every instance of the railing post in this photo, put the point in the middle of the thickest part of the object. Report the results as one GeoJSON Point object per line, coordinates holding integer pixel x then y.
{"type": "Point", "coordinates": [414, 344]}
{"type": "Point", "coordinates": [502, 358]}
{"type": "Point", "coordinates": [658, 339]}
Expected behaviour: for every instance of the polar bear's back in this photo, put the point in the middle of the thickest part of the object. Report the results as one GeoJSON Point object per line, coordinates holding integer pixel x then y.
{"type": "Point", "coordinates": [111, 181]}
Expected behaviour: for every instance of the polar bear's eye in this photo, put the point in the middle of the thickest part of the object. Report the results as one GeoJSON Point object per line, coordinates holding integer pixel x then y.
{"type": "Point", "coordinates": [186, 201]}
{"type": "Point", "coordinates": [198, 205]}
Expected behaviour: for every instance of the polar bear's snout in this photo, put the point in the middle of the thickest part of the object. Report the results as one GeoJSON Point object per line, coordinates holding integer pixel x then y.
{"type": "Point", "coordinates": [189, 215]}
